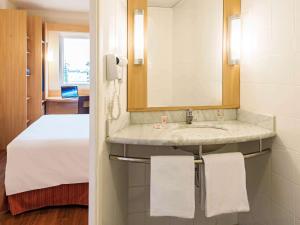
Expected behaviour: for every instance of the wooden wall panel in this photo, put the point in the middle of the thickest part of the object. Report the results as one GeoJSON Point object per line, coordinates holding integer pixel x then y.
{"type": "Point", "coordinates": [34, 63]}
{"type": "Point", "coordinates": [12, 74]}
{"type": "Point", "coordinates": [67, 27]}
{"type": "Point", "coordinates": [231, 73]}
{"type": "Point", "coordinates": [137, 74]}
{"type": "Point", "coordinates": [46, 66]}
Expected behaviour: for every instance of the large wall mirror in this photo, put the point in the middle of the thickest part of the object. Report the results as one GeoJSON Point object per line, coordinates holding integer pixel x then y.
{"type": "Point", "coordinates": [184, 52]}
{"type": "Point", "coordinates": [185, 56]}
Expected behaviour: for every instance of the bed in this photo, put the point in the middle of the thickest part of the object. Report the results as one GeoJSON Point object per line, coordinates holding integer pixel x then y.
{"type": "Point", "coordinates": [47, 164]}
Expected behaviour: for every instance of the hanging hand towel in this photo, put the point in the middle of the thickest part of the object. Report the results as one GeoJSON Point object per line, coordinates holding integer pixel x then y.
{"type": "Point", "coordinates": [225, 184]}
{"type": "Point", "coordinates": [172, 187]}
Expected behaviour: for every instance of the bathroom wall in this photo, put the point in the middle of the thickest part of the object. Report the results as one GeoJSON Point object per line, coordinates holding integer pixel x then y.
{"type": "Point", "coordinates": [139, 174]}
{"type": "Point", "coordinates": [139, 192]}
{"type": "Point", "coordinates": [270, 83]}
{"type": "Point", "coordinates": [112, 176]}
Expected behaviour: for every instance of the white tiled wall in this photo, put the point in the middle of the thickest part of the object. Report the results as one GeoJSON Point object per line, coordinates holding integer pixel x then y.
{"type": "Point", "coordinates": [270, 83]}
{"type": "Point", "coordinates": [139, 193]}
{"type": "Point", "coordinates": [180, 116]}
{"type": "Point", "coordinates": [115, 42]}
{"type": "Point", "coordinates": [113, 179]}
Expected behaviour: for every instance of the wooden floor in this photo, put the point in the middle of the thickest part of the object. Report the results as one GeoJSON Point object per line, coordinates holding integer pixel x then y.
{"type": "Point", "coordinates": [49, 216]}
{"type": "Point", "coordinates": [3, 204]}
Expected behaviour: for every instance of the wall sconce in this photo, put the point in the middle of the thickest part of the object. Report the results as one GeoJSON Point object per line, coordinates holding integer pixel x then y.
{"type": "Point", "coordinates": [138, 36]}
{"type": "Point", "coordinates": [234, 40]}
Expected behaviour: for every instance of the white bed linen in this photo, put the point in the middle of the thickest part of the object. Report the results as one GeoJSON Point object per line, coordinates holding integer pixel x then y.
{"type": "Point", "coordinates": [51, 152]}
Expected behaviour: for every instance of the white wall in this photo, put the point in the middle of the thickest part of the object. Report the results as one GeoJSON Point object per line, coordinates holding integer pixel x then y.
{"type": "Point", "coordinates": [115, 41]}
{"type": "Point", "coordinates": [270, 83]}
{"type": "Point", "coordinates": [52, 15]}
{"type": "Point", "coordinates": [112, 176]}
{"type": "Point", "coordinates": [5, 4]}
{"type": "Point", "coordinates": [96, 121]}
{"type": "Point", "coordinates": [53, 65]}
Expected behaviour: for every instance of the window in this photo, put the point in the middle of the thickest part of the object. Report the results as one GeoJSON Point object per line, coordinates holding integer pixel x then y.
{"type": "Point", "coordinates": [75, 60]}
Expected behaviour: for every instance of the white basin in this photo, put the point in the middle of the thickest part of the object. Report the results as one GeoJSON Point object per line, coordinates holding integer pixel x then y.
{"type": "Point", "coordinates": [199, 131]}
{"type": "Point", "coordinates": [195, 129]}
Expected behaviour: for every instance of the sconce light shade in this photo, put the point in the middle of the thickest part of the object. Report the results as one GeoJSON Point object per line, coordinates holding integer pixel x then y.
{"type": "Point", "coordinates": [138, 36]}
{"type": "Point", "coordinates": [234, 40]}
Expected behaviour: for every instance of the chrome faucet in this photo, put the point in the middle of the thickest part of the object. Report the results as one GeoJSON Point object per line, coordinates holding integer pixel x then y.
{"type": "Point", "coordinates": [189, 116]}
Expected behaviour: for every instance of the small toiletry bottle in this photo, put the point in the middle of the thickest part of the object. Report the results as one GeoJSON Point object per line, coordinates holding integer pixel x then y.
{"type": "Point", "coordinates": [164, 120]}
{"type": "Point", "coordinates": [220, 115]}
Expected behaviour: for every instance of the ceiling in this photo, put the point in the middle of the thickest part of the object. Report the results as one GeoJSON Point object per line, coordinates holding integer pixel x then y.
{"type": "Point", "coordinates": [60, 5]}
{"type": "Point", "coordinates": [163, 3]}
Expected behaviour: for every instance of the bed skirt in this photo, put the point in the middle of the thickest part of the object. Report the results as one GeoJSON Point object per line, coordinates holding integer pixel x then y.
{"type": "Point", "coordinates": [67, 194]}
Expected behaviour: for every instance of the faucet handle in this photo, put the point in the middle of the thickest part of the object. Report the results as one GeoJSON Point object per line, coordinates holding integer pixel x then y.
{"type": "Point", "coordinates": [189, 112]}
{"type": "Point", "coordinates": [189, 116]}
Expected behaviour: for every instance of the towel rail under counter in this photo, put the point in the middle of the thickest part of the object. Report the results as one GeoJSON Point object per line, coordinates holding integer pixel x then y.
{"type": "Point", "coordinates": [197, 161]}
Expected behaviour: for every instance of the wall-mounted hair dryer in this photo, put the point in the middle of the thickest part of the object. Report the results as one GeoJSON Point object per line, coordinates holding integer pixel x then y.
{"type": "Point", "coordinates": [114, 72]}
{"type": "Point", "coordinates": [114, 65]}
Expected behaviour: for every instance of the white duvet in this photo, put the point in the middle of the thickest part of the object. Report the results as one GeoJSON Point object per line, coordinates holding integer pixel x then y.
{"type": "Point", "coordinates": [51, 152]}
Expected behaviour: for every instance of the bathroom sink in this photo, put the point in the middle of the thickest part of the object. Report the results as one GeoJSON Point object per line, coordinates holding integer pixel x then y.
{"type": "Point", "coordinates": [195, 128]}
{"type": "Point", "coordinates": [199, 131]}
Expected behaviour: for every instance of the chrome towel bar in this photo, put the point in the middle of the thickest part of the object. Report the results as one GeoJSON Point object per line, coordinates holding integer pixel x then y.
{"type": "Point", "coordinates": [197, 161]}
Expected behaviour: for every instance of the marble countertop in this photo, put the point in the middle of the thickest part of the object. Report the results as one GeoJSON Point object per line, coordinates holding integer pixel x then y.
{"type": "Point", "coordinates": [199, 133]}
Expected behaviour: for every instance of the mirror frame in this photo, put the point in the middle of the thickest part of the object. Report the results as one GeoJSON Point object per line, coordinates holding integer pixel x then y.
{"type": "Point", "coordinates": [137, 73]}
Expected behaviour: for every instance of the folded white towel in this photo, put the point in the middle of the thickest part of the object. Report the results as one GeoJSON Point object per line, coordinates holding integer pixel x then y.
{"type": "Point", "coordinates": [225, 184]}
{"type": "Point", "coordinates": [172, 190]}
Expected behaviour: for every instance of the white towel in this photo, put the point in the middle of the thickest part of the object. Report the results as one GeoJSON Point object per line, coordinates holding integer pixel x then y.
{"type": "Point", "coordinates": [225, 184]}
{"type": "Point", "coordinates": [172, 190]}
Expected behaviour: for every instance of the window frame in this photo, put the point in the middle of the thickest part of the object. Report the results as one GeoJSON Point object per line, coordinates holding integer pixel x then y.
{"type": "Point", "coordinates": [69, 35]}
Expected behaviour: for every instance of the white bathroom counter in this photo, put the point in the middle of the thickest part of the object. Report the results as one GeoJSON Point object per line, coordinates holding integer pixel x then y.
{"type": "Point", "coordinates": [199, 133]}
